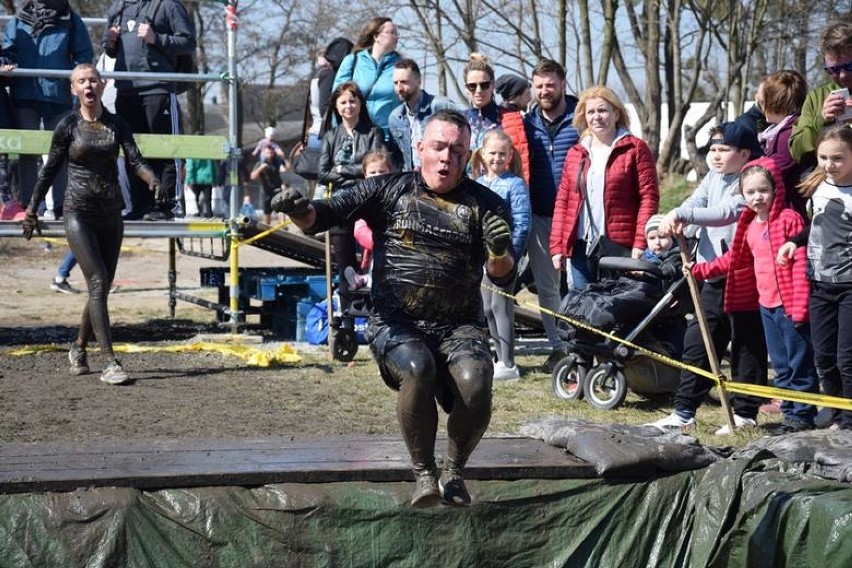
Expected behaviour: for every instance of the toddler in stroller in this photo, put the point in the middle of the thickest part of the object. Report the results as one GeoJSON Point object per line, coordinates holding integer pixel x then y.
{"type": "Point", "coordinates": [643, 300]}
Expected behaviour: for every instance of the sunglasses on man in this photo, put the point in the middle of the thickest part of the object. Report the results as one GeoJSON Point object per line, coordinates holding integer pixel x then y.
{"type": "Point", "coordinates": [483, 86]}
{"type": "Point", "coordinates": [835, 70]}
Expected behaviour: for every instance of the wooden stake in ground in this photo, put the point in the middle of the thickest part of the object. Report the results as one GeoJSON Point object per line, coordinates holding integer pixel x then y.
{"type": "Point", "coordinates": [715, 368]}
{"type": "Point", "coordinates": [328, 293]}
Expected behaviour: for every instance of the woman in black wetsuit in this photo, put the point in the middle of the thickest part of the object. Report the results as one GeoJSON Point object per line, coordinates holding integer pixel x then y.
{"type": "Point", "coordinates": [89, 139]}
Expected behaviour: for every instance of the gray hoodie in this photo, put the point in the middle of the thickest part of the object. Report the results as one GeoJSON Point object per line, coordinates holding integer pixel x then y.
{"type": "Point", "coordinates": [713, 210]}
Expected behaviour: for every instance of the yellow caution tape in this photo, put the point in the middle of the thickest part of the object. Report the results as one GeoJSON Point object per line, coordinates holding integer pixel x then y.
{"type": "Point", "coordinates": [265, 233]}
{"type": "Point", "coordinates": [732, 386]}
{"type": "Point", "coordinates": [253, 356]}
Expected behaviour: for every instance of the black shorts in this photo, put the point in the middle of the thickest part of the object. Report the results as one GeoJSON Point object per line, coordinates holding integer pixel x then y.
{"type": "Point", "coordinates": [446, 342]}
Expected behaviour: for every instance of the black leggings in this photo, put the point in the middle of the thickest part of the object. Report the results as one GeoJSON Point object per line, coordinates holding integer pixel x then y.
{"type": "Point", "coordinates": [343, 242]}
{"type": "Point", "coordinates": [95, 239]}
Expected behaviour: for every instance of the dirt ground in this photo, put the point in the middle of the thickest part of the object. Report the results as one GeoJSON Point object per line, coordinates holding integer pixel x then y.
{"type": "Point", "coordinates": [205, 394]}
{"type": "Point", "coordinates": [195, 395]}
{"type": "Point", "coordinates": [189, 395]}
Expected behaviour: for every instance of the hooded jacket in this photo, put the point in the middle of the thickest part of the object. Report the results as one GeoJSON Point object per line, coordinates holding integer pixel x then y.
{"type": "Point", "coordinates": [334, 54]}
{"type": "Point", "coordinates": [738, 263]}
{"type": "Point", "coordinates": [58, 42]}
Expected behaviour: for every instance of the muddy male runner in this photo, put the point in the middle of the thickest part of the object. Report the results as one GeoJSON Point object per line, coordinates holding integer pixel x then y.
{"type": "Point", "coordinates": [433, 231]}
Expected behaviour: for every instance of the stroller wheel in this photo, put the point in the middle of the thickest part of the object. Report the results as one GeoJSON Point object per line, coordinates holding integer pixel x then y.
{"type": "Point", "coordinates": [568, 378]}
{"type": "Point", "coordinates": [605, 387]}
{"type": "Point", "coordinates": [344, 344]}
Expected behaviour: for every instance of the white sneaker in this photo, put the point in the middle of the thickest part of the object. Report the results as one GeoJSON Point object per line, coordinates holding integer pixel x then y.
{"type": "Point", "coordinates": [739, 422]}
{"type": "Point", "coordinates": [504, 373]}
{"type": "Point", "coordinates": [673, 422]}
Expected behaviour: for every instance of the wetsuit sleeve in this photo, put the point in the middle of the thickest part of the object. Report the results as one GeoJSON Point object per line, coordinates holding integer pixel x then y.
{"type": "Point", "coordinates": [131, 151]}
{"type": "Point", "coordinates": [346, 205]}
{"type": "Point", "coordinates": [56, 157]}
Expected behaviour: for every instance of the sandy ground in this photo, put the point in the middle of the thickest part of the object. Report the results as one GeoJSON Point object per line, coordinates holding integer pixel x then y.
{"type": "Point", "coordinates": [201, 395]}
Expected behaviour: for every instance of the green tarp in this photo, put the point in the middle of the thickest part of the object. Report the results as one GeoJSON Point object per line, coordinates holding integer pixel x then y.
{"type": "Point", "coordinates": [755, 511]}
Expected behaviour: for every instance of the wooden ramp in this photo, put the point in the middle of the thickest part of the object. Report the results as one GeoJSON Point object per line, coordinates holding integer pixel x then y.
{"type": "Point", "coordinates": [192, 463]}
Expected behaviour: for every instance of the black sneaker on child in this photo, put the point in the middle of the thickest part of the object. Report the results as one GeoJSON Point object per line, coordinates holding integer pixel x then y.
{"type": "Point", "coordinates": [63, 287]}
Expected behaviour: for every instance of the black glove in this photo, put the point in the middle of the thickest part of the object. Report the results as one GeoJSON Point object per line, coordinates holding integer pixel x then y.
{"type": "Point", "coordinates": [159, 192]}
{"type": "Point", "coordinates": [30, 224]}
{"type": "Point", "coordinates": [497, 234]}
{"type": "Point", "coordinates": [291, 202]}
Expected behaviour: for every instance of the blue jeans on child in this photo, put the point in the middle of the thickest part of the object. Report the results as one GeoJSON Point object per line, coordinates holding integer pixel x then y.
{"type": "Point", "coordinates": [68, 264]}
{"type": "Point", "coordinates": [792, 358]}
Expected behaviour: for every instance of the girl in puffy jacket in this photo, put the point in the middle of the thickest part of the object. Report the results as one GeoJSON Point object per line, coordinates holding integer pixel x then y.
{"type": "Point", "coordinates": [780, 292]}
{"type": "Point", "coordinates": [502, 166]}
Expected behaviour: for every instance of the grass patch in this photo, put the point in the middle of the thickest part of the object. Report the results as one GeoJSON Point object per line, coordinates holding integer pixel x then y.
{"type": "Point", "coordinates": [673, 190]}
{"type": "Point", "coordinates": [514, 403]}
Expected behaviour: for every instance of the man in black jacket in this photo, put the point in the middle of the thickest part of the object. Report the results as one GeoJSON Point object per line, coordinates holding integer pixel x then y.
{"type": "Point", "coordinates": [433, 231]}
{"type": "Point", "coordinates": [149, 35]}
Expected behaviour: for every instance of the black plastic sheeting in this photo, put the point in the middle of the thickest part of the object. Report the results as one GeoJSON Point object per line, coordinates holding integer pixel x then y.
{"type": "Point", "coordinates": [744, 511]}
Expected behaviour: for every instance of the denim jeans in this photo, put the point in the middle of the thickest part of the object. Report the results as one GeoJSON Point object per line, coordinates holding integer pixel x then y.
{"type": "Point", "coordinates": [793, 360]}
{"type": "Point", "coordinates": [581, 272]}
{"type": "Point", "coordinates": [68, 264]}
{"type": "Point", "coordinates": [831, 313]}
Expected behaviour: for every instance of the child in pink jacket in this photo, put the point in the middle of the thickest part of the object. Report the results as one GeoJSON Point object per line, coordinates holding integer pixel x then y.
{"type": "Point", "coordinates": [755, 280]}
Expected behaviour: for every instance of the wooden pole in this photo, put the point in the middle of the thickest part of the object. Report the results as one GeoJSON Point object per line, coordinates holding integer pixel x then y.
{"type": "Point", "coordinates": [328, 293]}
{"type": "Point", "coordinates": [715, 368]}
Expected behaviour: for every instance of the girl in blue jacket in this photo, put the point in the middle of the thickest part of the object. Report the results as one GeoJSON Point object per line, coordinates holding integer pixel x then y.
{"type": "Point", "coordinates": [502, 166]}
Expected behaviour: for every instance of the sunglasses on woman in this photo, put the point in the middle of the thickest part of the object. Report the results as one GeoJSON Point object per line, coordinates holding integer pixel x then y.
{"type": "Point", "coordinates": [483, 86]}
{"type": "Point", "coordinates": [835, 70]}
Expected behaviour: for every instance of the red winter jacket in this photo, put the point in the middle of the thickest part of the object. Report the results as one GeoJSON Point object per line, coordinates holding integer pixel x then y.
{"type": "Point", "coordinates": [738, 262]}
{"type": "Point", "coordinates": [631, 195]}
{"type": "Point", "coordinates": [512, 123]}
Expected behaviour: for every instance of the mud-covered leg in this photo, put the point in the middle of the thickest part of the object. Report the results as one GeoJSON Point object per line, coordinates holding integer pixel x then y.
{"type": "Point", "coordinates": [413, 365]}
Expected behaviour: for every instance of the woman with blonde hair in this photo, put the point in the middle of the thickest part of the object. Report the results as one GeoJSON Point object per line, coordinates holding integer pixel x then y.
{"type": "Point", "coordinates": [370, 66]}
{"type": "Point", "coordinates": [483, 114]}
{"type": "Point", "coordinates": [609, 187]}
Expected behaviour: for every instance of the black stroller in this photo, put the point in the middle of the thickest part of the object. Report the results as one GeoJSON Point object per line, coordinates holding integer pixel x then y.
{"type": "Point", "coordinates": [648, 309]}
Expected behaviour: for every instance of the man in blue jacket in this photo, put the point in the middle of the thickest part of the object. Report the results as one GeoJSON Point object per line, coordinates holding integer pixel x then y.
{"type": "Point", "coordinates": [550, 135]}
{"type": "Point", "coordinates": [148, 35]}
{"type": "Point", "coordinates": [44, 34]}
{"type": "Point", "coordinates": [406, 121]}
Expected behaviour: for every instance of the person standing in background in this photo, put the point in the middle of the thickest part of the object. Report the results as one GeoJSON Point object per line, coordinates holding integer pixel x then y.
{"type": "Point", "coordinates": [44, 34]}
{"type": "Point", "coordinates": [148, 35]}
{"type": "Point", "coordinates": [550, 134]}
{"type": "Point", "coordinates": [370, 66]}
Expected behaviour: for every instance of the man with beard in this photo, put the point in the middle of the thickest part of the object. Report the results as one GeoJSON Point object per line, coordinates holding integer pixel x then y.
{"type": "Point", "coordinates": [550, 135]}
{"type": "Point", "coordinates": [433, 230]}
{"type": "Point", "coordinates": [406, 120]}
